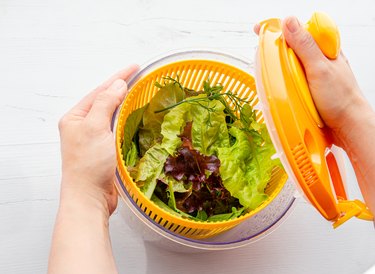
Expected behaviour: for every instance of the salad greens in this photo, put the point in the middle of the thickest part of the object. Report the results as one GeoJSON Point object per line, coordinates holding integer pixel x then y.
{"type": "Point", "coordinates": [246, 167]}
{"type": "Point", "coordinates": [149, 131]}
{"type": "Point", "coordinates": [199, 154]}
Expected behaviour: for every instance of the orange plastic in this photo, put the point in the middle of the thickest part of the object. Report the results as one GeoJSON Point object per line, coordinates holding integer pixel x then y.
{"type": "Point", "coordinates": [305, 141]}
{"type": "Point", "coordinates": [325, 33]}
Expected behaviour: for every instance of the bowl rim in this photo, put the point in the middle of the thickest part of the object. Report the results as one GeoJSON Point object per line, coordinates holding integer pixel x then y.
{"type": "Point", "coordinates": [203, 54]}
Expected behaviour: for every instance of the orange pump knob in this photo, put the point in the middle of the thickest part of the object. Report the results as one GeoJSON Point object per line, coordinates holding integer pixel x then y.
{"type": "Point", "coordinates": [325, 33]}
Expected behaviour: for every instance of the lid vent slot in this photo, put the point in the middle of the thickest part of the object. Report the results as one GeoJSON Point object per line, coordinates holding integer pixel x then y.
{"type": "Point", "coordinates": [304, 164]}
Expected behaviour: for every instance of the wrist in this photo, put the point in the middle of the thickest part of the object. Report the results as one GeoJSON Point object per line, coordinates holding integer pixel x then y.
{"type": "Point", "coordinates": [358, 118]}
{"type": "Point", "coordinates": [81, 235]}
{"type": "Point", "coordinates": [83, 200]}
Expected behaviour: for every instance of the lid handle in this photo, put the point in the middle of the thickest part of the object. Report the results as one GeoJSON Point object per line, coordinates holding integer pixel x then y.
{"type": "Point", "coordinates": [325, 33]}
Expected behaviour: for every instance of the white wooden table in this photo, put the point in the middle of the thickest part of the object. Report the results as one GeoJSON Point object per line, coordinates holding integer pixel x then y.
{"type": "Point", "coordinates": [53, 52]}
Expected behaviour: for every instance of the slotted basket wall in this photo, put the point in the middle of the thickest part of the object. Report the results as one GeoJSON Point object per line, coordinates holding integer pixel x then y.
{"type": "Point", "coordinates": [192, 73]}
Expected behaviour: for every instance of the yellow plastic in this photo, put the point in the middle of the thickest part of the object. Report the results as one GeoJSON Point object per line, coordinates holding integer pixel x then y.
{"type": "Point", "coordinates": [352, 208]}
{"type": "Point", "coordinates": [305, 141]}
{"type": "Point", "coordinates": [300, 81]}
{"type": "Point", "coordinates": [192, 73]}
{"type": "Point", "coordinates": [325, 33]}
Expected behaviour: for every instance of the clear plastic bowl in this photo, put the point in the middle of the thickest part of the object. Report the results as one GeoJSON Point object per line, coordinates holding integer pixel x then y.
{"type": "Point", "coordinates": [253, 229]}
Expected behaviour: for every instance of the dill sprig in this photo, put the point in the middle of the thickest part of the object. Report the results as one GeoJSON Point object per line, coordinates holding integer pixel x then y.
{"type": "Point", "coordinates": [212, 93]}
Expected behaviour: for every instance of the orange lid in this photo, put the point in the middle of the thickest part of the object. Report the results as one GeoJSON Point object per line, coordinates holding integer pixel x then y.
{"type": "Point", "coordinates": [303, 143]}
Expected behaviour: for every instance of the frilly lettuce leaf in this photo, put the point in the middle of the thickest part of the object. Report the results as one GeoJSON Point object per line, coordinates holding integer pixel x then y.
{"type": "Point", "coordinates": [246, 167]}
{"type": "Point", "coordinates": [172, 126]}
{"type": "Point", "coordinates": [151, 164]}
{"type": "Point", "coordinates": [209, 127]}
{"type": "Point", "coordinates": [207, 195]}
{"type": "Point", "coordinates": [149, 132]}
{"type": "Point", "coordinates": [149, 169]}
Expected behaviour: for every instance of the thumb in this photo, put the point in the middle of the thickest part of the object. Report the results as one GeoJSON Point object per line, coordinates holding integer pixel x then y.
{"type": "Point", "coordinates": [106, 103]}
{"type": "Point", "coordinates": [301, 41]}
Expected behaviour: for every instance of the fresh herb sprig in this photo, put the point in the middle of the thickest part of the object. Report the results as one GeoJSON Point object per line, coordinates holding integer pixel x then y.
{"type": "Point", "coordinates": [213, 93]}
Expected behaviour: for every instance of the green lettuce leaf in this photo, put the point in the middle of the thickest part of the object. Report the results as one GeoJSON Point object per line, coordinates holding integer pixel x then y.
{"type": "Point", "coordinates": [171, 128]}
{"type": "Point", "coordinates": [162, 205]}
{"type": "Point", "coordinates": [151, 165]}
{"type": "Point", "coordinates": [246, 167]}
{"type": "Point", "coordinates": [202, 215]}
{"type": "Point", "coordinates": [172, 203]}
{"type": "Point", "coordinates": [150, 131]}
{"type": "Point", "coordinates": [209, 129]}
{"type": "Point", "coordinates": [178, 186]}
{"type": "Point", "coordinates": [226, 216]}
{"type": "Point", "coordinates": [149, 169]}
{"type": "Point", "coordinates": [132, 156]}
{"type": "Point", "coordinates": [250, 125]}
{"type": "Point", "coordinates": [262, 160]}
{"type": "Point", "coordinates": [171, 208]}
{"type": "Point", "coordinates": [130, 129]}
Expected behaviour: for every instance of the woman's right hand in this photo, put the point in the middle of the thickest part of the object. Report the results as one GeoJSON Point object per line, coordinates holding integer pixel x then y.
{"type": "Point", "coordinates": [339, 102]}
{"type": "Point", "coordinates": [332, 84]}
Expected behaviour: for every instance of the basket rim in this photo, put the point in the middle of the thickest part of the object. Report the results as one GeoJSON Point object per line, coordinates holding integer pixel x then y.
{"type": "Point", "coordinates": [132, 82]}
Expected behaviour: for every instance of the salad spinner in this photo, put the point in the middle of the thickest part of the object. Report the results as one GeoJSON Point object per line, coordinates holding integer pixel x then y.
{"type": "Point", "coordinates": [301, 140]}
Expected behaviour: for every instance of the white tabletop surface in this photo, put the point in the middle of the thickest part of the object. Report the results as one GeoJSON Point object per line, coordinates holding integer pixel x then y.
{"type": "Point", "coordinates": [53, 52]}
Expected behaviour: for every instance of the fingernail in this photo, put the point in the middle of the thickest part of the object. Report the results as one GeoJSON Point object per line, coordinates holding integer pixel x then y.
{"type": "Point", "coordinates": [118, 84]}
{"type": "Point", "coordinates": [292, 24]}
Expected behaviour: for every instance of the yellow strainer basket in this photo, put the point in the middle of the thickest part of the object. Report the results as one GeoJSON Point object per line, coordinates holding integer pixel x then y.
{"type": "Point", "coordinates": [192, 73]}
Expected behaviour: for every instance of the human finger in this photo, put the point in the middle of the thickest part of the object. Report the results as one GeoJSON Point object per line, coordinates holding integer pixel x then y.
{"type": "Point", "coordinates": [106, 103]}
{"type": "Point", "coordinates": [83, 107]}
{"type": "Point", "coordinates": [256, 28]}
{"type": "Point", "coordinates": [301, 41]}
